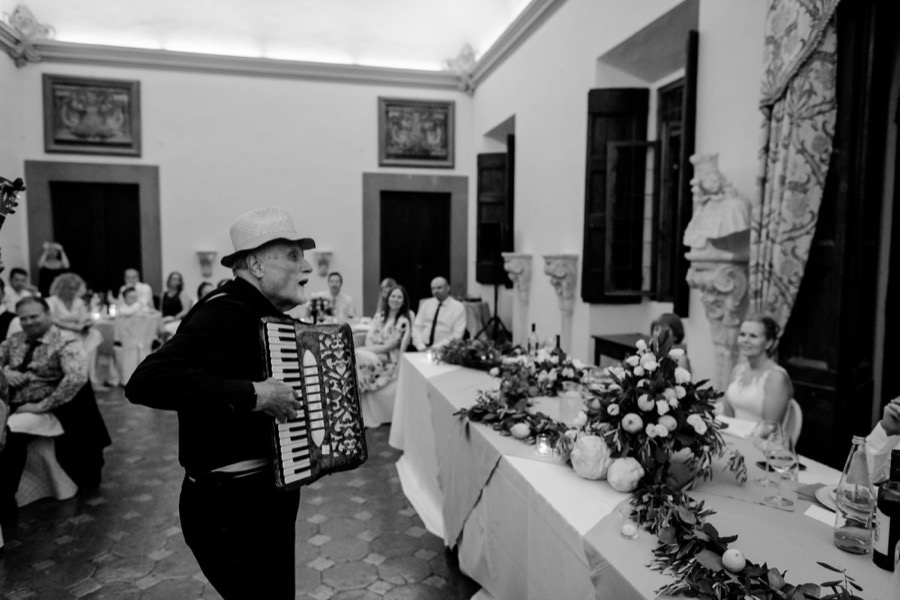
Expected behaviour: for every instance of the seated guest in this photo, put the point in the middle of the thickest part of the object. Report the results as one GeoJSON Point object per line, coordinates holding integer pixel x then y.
{"type": "Point", "coordinates": [175, 303]}
{"type": "Point", "coordinates": [6, 316]}
{"type": "Point", "coordinates": [144, 291]}
{"type": "Point", "coordinates": [440, 319]}
{"type": "Point", "coordinates": [377, 362]}
{"type": "Point", "coordinates": [52, 263]}
{"type": "Point", "coordinates": [760, 388]}
{"type": "Point", "coordinates": [19, 287]}
{"type": "Point", "coordinates": [388, 335]}
{"type": "Point", "coordinates": [669, 326]}
{"type": "Point", "coordinates": [884, 438]}
{"type": "Point", "coordinates": [385, 287]}
{"type": "Point", "coordinates": [203, 289]}
{"type": "Point", "coordinates": [342, 309]}
{"type": "Point", "coordinates": [130, 304]}
{"type": "Point", "coordinates": [46, 368]}
{"type": "Point", "coordinates": [69, 312]}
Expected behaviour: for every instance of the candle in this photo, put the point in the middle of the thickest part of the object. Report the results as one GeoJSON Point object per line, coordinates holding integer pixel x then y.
{"type": "Point", "coordinates": [629, 530]}
{"type": "Point", "coordinates": [543, 445]}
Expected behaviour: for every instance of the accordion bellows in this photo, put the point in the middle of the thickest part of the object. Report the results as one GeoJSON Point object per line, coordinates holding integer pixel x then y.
{"type": "Point", "coordinates": [318, 362]}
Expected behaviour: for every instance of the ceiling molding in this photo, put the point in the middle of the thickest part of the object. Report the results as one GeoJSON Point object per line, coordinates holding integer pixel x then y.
{"type": "Point", "coordinates": [9, 41]}
{"type": "Point", "coordinates": [519, 30]}
{"type": "Point", "coordinates": [115, 56]}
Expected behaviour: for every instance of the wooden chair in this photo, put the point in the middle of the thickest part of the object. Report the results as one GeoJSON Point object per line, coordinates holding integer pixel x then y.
{"type": "Point", "coordinates": [793, 421]}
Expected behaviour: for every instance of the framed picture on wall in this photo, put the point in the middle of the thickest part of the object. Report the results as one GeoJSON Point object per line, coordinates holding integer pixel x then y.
{"type": "Point", "coordinates": [92, 116]}
{"type": "Point", "coordinates": [415, 133]}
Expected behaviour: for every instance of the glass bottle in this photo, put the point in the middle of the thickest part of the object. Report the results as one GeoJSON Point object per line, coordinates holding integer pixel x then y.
{"type": "Point", "coordinates": [887, 517]}
{"type": "Point", "coordinates": [532, 343]}
{"type": "Point", "coordinates": [855, 502]}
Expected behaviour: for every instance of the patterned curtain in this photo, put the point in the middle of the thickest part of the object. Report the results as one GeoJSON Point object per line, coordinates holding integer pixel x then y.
{"type": "Point", "coordinates": [799, 106]}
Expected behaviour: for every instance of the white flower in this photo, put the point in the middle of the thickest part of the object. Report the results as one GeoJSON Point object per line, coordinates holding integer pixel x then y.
{"type": "Point", "coordinates": [645, 403]}
{"type": "Point", "coordinates": [542, 355]}
{"type": "Point", "coordinates": [612, 409]}
{"type": "Point", "coordinates": [682, 375]}
{"type": "Point", "coordinates": [676, 353]}
{"type": "Point", "coordinates": [590, 457]}
{"type": "Point", "coordinates": [578, 364]}
{"type": "Point", "coordinates": [552, 376]}
{"type": "Point", "coordinates": [662, 407]}
{"type": "Point", "coordinates": [661, 430]}
{"type": "Point", "coordinates": [648, 361]}
{"type": "Point", "coordinates": [554, 359]}
{"type": "Point", "coordinates": [640, 345]}
{"type": "Point", "coordinates": [697, 422]}
{"type": "Point", "coordinates": [633, 360]}
{"type": "Point", "coordinates": [642, 383]}
{"type": "Point", "coordinates": [669, 394]}
{"type": "Point", "coordinates": [614, 387]}
{"type": "Point", "coordinates": [680, 392]}
{"type": "Point", "coordinates": [571, 433]}
{"type": "Point", "coordinates": [542, 376]}
{"type": "Point", "coordinates": [495, 372]}
{"type": "Point", "coordinates": [638, 371]}
{"type": "Point", "coordinates": [624, 473]}
{"type": "Point", "coordinates": [673, 403]}
{"type": "Point", "coordinates": [650, 430]}
{"type": "Point", "coordinates": [619, 372]}
{"type": "Point", "coordinates": [568, 372]}
{"type": "Point", "coordinates": [580, 420]}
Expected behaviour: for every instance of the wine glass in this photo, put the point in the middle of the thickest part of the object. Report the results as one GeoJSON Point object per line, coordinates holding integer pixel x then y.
{"type": "Point", "coordinates": [781, 457]}
{"type": "Point", "coordinates": [763, 433]}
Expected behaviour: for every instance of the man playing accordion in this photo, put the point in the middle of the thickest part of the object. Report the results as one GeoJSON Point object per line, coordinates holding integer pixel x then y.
{"type": "Point", "coordinates": [238, 525]}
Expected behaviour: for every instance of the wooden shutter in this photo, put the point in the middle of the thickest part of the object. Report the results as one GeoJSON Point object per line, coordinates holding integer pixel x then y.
{"type": "Point", "coordinates": [614, 115]}
{"type": "Point", "coordinates": [494, 231]}
{"type": "Point", "coordinates": [684, 211]}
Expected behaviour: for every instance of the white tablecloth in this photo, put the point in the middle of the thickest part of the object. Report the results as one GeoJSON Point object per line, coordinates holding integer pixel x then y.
{"type": "Point", "coordinates": [519, 521]}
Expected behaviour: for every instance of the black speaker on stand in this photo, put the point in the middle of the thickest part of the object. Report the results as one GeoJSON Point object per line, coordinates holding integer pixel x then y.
{"type": "Point", "coordinates": [490, 240]}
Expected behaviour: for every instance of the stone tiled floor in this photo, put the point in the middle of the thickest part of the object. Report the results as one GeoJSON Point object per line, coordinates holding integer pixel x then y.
{"type": "Point", "coordinates": [357, 537]}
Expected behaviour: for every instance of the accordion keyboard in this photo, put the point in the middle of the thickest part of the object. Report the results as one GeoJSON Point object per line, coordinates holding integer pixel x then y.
{"type": "Point", "coordinates": [304, 377]}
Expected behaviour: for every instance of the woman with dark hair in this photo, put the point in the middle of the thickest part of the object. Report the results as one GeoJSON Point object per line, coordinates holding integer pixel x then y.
{"type": "Point", "coordinates": [175, 303]}
{"type": "Point", "coordinates": [203, 289]}
{"type": "Point", "coordinates": [760, 388]}
{"type": "Point", "coordinates": [668, 328]}
{"type": "Point", "coordinates": [385, 287]}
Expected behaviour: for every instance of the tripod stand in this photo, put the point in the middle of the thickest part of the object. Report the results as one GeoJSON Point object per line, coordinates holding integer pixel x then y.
{"type": "Point", "coordinates": [499, 333]}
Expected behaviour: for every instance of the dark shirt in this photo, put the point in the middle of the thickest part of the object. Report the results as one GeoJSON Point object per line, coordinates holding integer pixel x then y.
{"type": "Point", "coordinates": [205, 372]}
{"type": "Point", "coordinates": [6, 318]}
{"type": "Point", "coordinates": [171, 305]}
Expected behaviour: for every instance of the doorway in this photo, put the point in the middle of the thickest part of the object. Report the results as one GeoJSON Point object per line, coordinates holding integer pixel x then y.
{"type": "Point", "coordinates": [415, 240]}
{"type": "Point", "coordinates": [105, 216]}
{"type": "Point", "coordinates": [99, 225]}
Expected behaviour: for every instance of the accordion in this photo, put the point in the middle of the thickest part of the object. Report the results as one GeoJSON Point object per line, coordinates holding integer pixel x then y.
{"type": "Point", "coordinates": [318, 362]}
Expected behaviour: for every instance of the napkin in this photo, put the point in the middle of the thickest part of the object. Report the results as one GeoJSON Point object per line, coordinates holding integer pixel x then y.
{"type": "Point", "coordinates": [44, 424]}
{"type": "Point", "coordinates": [738, 428]}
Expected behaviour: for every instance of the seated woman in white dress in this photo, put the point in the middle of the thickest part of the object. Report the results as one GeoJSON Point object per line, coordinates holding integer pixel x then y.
{"type": "Point", "coordinates": [377, 362]}
{"type": "Point", "coordinates": [760, 388]}
{"type": "Point", "coordinates": [69, 311]}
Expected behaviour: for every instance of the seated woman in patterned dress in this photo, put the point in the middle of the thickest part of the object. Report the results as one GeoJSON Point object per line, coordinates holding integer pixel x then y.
{"type": "Point", "coordinates": [388, 336]}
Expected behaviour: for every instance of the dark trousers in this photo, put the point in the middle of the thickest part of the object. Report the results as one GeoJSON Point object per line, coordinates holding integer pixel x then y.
{"type": "Point", "coordinates": [241, 531]}
{"type": "Point", "coordinates": [12, 463]}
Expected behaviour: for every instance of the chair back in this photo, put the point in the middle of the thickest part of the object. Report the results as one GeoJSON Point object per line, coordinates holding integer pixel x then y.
{"type": "Point", "coordinates": [793, 420]}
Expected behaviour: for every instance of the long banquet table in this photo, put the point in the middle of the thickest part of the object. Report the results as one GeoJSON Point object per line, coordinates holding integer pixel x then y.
{"type": "Point", "coordinates": [528, 527]}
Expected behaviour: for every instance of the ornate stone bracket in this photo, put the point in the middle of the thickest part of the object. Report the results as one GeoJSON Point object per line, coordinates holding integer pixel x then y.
{"type": "Point", "coordinates": [518, 266]}
{"type": "Point", "coordinates": [562, 269]}
{"type": "Point", "coordinates": [322, 261]}
{"type": "Point", "coordinates": [723, 289]}
{"type": "Point", "coordinates": [25, 32]}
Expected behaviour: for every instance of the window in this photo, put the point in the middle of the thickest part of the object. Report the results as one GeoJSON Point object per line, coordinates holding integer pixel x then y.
{"type": "Point", "coordinates": [494, 233]}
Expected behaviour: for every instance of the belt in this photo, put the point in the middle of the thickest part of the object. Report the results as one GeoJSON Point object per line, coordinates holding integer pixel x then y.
{"type": "Point", "coordinates": [223, 476]}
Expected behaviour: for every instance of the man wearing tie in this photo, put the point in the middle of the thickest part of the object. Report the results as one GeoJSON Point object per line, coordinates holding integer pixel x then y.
{"type": "Point", "coordinates": [440, 319]}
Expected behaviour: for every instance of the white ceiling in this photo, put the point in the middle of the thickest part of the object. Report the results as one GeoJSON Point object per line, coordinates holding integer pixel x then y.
{"type": "Point", "coordinates": [415, 34]}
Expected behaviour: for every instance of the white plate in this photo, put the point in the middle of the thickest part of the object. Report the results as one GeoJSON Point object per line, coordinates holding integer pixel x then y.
{"type": "Point", "coordinates": [825, 496]}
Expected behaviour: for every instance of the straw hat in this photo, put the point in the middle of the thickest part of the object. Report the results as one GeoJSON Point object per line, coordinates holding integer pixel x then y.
{"type": "Point", "coordinates": [261, 226]}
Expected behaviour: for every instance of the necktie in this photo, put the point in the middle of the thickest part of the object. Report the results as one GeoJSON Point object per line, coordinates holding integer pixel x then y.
{"type": "Point", "coordinates": [29, 353]}
{"type": "Point", "coordinates": [434, 324]}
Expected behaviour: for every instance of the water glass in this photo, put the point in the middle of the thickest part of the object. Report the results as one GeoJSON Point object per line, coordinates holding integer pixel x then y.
{"type": "Point", "coordinates": [628, 526]}
{"type": "Point", "coordinates": [571, 402]}
{"type": "Point", "coordinates": [763, 435]}
{"type": "Point", "coordinates": [781, 457]}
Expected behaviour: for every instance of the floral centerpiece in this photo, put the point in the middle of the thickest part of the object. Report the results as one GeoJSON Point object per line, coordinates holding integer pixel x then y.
{"type": "Point", "coordinates": [650, 410]}
{"type": "Point", "coordinates": [475, 354]}
{"type": "Point", "coordinates": [320, 309]}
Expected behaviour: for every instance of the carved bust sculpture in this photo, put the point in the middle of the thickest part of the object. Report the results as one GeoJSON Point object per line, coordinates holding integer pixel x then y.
{"type": "Point", "coordinates": [719, 212]}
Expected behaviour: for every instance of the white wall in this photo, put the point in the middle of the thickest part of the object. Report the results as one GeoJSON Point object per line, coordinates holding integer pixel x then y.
{"type": "Point", "coordinates": [227, 144]}
{"type": "Point", "coordinates": [545, 85]}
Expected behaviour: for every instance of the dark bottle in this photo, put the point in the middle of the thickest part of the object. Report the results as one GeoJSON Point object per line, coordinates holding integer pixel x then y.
{"type": "Point", "coordinates": [532, 344]}
{"type": "Point", "coordinates": [887, 517]}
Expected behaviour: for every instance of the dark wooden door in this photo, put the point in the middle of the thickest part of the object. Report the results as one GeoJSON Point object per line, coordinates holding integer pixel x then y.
{"type": "Point", "coordinates": [415, 240]}
{"type": "Point", "coordinates": [99, 225]}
